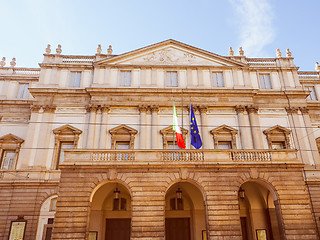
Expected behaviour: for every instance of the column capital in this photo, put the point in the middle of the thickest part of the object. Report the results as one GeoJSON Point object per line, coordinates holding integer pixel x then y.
{"type": "Point", "coordinates": [304, 110]}
{"type": "Point", "coordinates": [35, 108]}
{"type": "Point", "coordinates": [143, 108]}
{"type": "Point", "coordinates": [203, 108]}
{"type": "Point", "coordinates": [252, 109]}
{"type": "Point", "coordinates": [49, 108]}
{"type": "Point", "coordinates": [92, 108]}
{"type": "Point", "coordinates": [154, 109]}
{"type": "Point", "coordinates": [105, 108]}
{"type": "Point", "coordinates": [240, 108]}
{"type": "Point", "coordinates": [292, 110]}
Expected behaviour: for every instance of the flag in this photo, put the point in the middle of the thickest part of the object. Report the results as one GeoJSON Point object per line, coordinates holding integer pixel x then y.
{"type": "Point", "coordinates": [195, 135]}
{"type": "Point", "coordinates": [177, 129]}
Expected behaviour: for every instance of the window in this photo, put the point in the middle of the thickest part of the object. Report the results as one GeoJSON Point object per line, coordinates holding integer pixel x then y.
{"type": "Point", "coordinates": [172, 79]}
{"type": "Point", "coordinates": [125, 78]}
{"type": "Point", "coordinates": [66, 137]}
{"type": "Point", "coordinates": [278, 137]}
{"type": "Point", "coordinates": [119, 204]}
{"type": "Point", "coordinates": [176, 204]}
{"type": "Point", "coordinates": [63, 146]}
{"type": "Point", "coordinates": [7, 160]}
{"type": "Point", "coordinates": [312, 95]}
{"type": "Point", "coordinates": [9, 149]}
{"type": "Point", "coordinates": [75, 79]}
{"type": "Point", "coordinates": [23, 90]}
{"type": "Point", "coordinates": [53, 204]}
{"type": "Point", "coordinates": [265, 81]}
{"type": "Point", "coordinates": [169, 137]}
{"type": "Point", "coordinates": [217, 79]}
{"type": "Point", "coordinates": [224, 137]}
{"type": "Point", "coordinates": [225, 145]}
{"type": "Point", "coordinates": [122, 137]}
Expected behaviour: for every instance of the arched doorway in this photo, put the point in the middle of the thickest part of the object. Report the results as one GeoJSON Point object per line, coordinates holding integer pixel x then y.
{"type": "Point", "coordinates": [110, 215]}
{"type": "Point", "coordinates": [46, 218]}
{"type": "Point", "coordinates": [259, 212]}
{"type": "Point", "coordinates": [185, 213]}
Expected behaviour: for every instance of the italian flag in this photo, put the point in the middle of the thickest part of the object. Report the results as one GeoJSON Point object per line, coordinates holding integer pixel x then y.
{"type": "Point", "coordinates": [177, 129]}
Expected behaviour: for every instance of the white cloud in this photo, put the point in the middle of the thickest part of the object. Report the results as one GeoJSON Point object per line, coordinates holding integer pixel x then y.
{"type": "Point", "coordinates": [255, 25]}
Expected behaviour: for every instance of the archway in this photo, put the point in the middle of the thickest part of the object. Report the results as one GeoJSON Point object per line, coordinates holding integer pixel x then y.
{"type": "Point", "coordinates": [46, 218]}
{"type": "Point", "coordinates": [259, 212]}
{"type": "Point", "coordinates": [110, 215]}
{"type": "Point", "coordinates": [185, 213]}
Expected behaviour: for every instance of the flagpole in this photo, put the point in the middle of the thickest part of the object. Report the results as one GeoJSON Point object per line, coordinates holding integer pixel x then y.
{"type": "Point", "coordinates": [182, 109]}
{"type": "Point", "coordinates": [173, 137]}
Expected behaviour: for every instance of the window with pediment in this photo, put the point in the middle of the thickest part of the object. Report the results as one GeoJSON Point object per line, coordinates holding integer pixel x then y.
{"type": "Point", "coordinates": [9, 150]}
{"type": "Point", "coordinates": [224, 137]}
{"type": "Point", "coordinates": [278, 137]}
{"type": "Point", "coordinates": [169, 137]}
{"type": "Point", "coordinates": [122, 137]}
{"type": "Point", "coordinates": [66, 137]}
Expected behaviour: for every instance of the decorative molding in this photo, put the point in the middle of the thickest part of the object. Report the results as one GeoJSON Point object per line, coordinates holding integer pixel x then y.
{"type": "Point", "coordinates": [304, 110]}
{"type": "Point", "coordinates": [252, 109]}
{"type": "Point", "coordinates": [240, 108]}
{"type": "Point", "coordinates": [291, 110]}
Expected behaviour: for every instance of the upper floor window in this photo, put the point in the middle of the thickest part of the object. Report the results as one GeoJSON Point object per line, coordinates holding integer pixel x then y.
{"type": "Point", "coordinates": [217, 79]}
{"type": "Point", "coordinates": [312, 95]}
{"type": "Point", "coordinates": [125, 78]}
{"type": "Point", "coordinates": [224, 137]}
{"type": "Point", "coordinates": [66, 137]}
{"type": "Point", "coordinates": [278, 137]}
{"type": "Point", "coordinates": [172, 79]}
{"type": "Point", "coordinates": [23, 90]}
{"type": "Point", "coordinates": [265, 81]}
{"type": "Point", "coordinates": [169, 137]}
{"type": "Point", "coordinates": [9, 148]}
{"type": "Point", "coordinates": [122, 137]}
{"type": "Point", "coordinates": [75, 79]}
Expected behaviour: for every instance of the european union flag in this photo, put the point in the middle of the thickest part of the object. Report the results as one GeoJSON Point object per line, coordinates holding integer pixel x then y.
{"type": "Point", "coordinates": [195, 135]}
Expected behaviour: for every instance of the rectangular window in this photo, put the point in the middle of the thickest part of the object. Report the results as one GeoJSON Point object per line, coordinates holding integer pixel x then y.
{"type": "Point", "coordinates": [23, 90]}
{"type": "Point", "coordinates": [217, 79]}
{"type": "Point", "coordinates": [265, 81]}
{"type": "Point", "coordinates": [122, 145]}
{"type": "Point", "coordinates": [7, 160]}
{"type": "Point", "coordinates": [312, 95]}
{"type": "Point", "coordinates": [125, 78]}
{"type": "Point", "coordinates": [224, 145]}
{"type": "Point", "coordinates": [172, 79]}
{"type": "Point", "coordinates": [63, 146]}
{"type": "Point", "coordinates": [75, 79]}
{"type": "Point", "coordinates": [278, 145]}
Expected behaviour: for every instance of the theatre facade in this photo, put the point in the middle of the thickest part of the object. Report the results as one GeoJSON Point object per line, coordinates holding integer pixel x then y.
{"type": "Point", "coordinates": [88, 149]}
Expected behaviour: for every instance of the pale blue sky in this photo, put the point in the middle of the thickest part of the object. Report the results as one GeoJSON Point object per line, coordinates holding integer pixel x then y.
{"type": "Point", "coordinates": [260, 26]}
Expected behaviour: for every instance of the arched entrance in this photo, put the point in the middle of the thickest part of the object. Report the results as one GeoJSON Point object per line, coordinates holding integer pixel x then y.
{"type": "Point", "coordinates": [46, 218]}
{"type": "Point", "coordinates": [184, 213]}
{"type": "Point", "coordinates": [259, 212]}
{"type": "Point", "coordinates": [110, 215]}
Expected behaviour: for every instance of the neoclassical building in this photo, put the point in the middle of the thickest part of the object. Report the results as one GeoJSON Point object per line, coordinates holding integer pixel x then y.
{"type": "Point", "coordinates": [88, 150]}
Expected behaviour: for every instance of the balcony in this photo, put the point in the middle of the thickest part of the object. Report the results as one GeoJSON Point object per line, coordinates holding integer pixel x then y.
{"type": "Point", "coordinates": [155, 157]}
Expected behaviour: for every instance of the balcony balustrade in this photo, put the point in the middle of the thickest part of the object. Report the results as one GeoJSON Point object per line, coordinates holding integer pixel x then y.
{"type": "Point", "coordinates": [96, 157]}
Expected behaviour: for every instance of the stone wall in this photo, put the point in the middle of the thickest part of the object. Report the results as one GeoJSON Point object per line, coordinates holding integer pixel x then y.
{"type": "Point", "coordinates": [148, 186]}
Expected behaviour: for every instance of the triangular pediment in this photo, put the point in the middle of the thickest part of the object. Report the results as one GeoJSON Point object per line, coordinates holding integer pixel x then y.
{"type": "Point", "coordinates": [10, 138]}
{"type": "Point", "coordinates": [224, 129]}
{"type": "Point", "coordinates": [123, 130]}
{"type": "Point", "coordinates": [170, 53]}
{"type": "Point", "coordinates": [277, 129]}
{"type": "Point", "coordinates": [169, 130]}
{"type": "Point", "coordinates": [67, 130]}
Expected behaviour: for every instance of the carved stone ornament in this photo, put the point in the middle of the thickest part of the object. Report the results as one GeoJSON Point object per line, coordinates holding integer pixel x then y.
{"type": "Point", "coordinates": [3, 62]}
{"type": "Point", "coordinates": [92, 108]}
{"type": "Point", "coordinates": [35, 108]}
{"type": "Point", "coordinates": [143, 108]}
{"type": "Point", "coordinates": [99, 50]}
{"type": "Point", "coordinates": [252, 109]}
{"type": "Point", "coordinates": [240, 108]}
{"type": "Point", "coordinates": [154, 109]}
{"type": "Point", "coordinates": [292, 110]}
{"type": "Point", "coordinates": [59, 50]}
{"type": "Point", "coordinates": [48, 49]}
{"type": "Point", "coordinates": [49, 108]}
{"type": "Point", "coordinates": [317, 67]}
{"type": "Point", "coordinates": [304, 110]}
{"type": "Point", "coordinates": [231, 51]}
{"type": "Point", "coordinates": [288, 53]}
{"type": "Point", "coordinates": [241, 52]}
{"type": "Point", "coordinates": [278, 53]}
{"type": "Point", "coordinates": [109, 50]}
{"type": "Point", "coordinates": [13, 62]}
